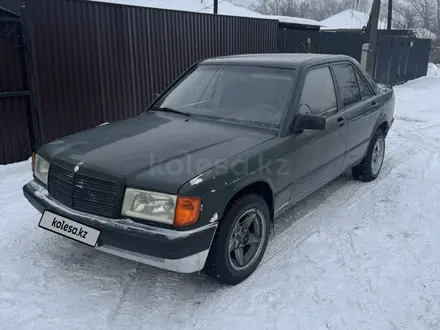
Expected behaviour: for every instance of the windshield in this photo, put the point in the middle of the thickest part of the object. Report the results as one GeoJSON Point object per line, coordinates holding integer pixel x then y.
{"type": "Point", "coordinates": [254, 95]}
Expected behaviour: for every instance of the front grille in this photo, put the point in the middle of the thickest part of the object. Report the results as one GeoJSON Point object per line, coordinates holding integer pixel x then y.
{"type": "Point", "coordinates": [82, 193]}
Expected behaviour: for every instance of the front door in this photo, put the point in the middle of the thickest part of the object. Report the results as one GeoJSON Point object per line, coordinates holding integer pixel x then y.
{"type": "Point", "coordinates": [318, 156]}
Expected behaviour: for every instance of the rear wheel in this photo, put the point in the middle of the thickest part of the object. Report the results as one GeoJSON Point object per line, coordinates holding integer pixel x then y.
{"type": "Point", "coordinates": [369, 169]}
{"type": "Point", "coordinates": [240, 241]}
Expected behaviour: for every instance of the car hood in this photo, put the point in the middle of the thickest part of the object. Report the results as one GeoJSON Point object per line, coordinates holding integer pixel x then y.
{"type": "Point", "coordinates": [156, 151]}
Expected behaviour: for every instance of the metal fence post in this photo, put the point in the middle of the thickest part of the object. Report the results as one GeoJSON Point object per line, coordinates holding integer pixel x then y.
{"type": "Point", "coordinates": [34, 123]}
{"type": "Point", "coordinates": [364, 55]}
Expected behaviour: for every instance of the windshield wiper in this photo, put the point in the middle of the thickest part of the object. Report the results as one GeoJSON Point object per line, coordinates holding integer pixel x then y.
{"type": "Point", "coordinates": [166, 109]}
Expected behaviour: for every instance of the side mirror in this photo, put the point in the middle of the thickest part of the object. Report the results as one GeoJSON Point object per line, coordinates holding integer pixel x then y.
{"type": "Point", "coordinates": [315, 123]}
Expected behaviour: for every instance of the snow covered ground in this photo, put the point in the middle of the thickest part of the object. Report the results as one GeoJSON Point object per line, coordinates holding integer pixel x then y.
{"type": "Point", "coordinates": [434, 70]}
{"type": "Point", "coordinates": [351, 256]}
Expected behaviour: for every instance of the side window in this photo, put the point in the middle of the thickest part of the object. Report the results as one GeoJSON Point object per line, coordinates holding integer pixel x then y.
{"type": "Point", "coordinates": [371, 82]}
{"type": "Point", "coordinates": [347, 82]}
{"type": "Point", "coordinates": [318, 93]}
{"type": "Point", "coordinates": [363, 85]}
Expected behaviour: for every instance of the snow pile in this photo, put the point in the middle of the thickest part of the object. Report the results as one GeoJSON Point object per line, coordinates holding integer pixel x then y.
{"type": "Point", "coordinates": [424, 33]}
{"type": "Point", "coordinates": [349, 19]}
{"type": "Point", "coordinates": [433, 70]}
{"type": "Point", "coordinates": [205, 6]}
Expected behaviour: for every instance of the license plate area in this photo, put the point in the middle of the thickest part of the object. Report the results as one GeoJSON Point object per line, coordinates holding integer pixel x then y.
{"type": "Point", "coordinates": [69, 228]}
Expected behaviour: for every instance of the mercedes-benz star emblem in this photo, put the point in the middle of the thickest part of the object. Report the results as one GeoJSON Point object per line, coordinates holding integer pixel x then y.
{"type": "Point", "coordinates": [76, 168]}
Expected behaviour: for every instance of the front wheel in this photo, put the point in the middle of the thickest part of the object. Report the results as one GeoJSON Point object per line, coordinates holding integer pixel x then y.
{"type": "Point", "coordinates": [240, 241]}
{"type": "Point", "coordinates": [369, 169]}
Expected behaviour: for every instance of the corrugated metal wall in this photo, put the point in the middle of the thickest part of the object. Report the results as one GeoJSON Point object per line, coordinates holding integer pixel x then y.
{"type": "Point", "coordinates": [15, 144]}
{"type": "Point", "coordinates": [329, 42]}
{"type": "Point", "coordinates": [400, 59]}
{"type": "Point", "coordinates": [291, 41]}
{"type": "Point", "coordinates": [98, 62]}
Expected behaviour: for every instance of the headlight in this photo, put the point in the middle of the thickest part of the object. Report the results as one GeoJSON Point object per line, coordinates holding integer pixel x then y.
{"type": "Point", "coordinates": [164, 208]}
{"type": "Point", "coordinates": [41, 169]}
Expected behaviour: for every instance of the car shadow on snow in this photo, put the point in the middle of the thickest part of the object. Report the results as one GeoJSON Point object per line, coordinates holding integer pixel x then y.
{"type": "Point", "coordinates": [291, 215]}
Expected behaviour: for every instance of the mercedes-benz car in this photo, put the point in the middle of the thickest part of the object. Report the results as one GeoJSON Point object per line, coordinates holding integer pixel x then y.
{"type": "Point", "coordinates": [195, 181]}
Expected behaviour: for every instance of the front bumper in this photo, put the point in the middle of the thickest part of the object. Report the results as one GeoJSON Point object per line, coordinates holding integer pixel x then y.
{"type": "Point", "coordinates": [179, 251]}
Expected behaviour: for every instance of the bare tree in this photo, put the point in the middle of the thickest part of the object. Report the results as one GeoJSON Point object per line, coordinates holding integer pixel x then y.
{"type": "Point", "coordinates": [268, 7]}
{"type": "Point", "coordinates": [437, 18]}
{"type": "Point", "coordinates": [315, 9]}
{"type": "Point", "coordinates": [425, 10]}
{"type": "Point", "coordinates": [406, 13]}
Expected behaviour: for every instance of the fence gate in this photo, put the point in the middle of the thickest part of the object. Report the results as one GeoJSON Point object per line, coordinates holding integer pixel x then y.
{"type": "Point", "coordinates": [16, 133]}
{"type": "Point", "coordinates": [400, 59]}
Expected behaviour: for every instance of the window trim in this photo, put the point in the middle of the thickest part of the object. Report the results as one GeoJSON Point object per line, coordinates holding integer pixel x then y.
{"type": "Point", "coordinates": [317, 67]}
{"type": "Point", "coordinates": [347, 63]}
{"type": "Point", "coordinates": [370, 81]}
{"type": "Point", "coordinates": [195, 66]}
{"type": "Point", "coordinates": [357, 74]}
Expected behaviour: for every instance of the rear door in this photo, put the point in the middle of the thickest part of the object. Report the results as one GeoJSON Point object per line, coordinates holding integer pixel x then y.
{"type": "Point", "coordinates": [318, 156]}
{"type": "Point", "coordinates": [358, 102]}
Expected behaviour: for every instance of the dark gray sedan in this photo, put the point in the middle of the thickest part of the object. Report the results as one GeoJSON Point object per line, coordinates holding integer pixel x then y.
{"type": "Point", "coordinates": [195, 181]}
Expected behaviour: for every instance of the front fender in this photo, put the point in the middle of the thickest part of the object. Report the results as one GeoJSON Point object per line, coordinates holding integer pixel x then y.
{"type": "Point", "coordinates": [217, 186]}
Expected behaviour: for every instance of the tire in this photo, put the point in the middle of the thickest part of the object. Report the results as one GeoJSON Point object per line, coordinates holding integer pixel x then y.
{"type": "Point", "coordinates": [223, 265]}
{"type": "Point", "coordinates": [369, 169]}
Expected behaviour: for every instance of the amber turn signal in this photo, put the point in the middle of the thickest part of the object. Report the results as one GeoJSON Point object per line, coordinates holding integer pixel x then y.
{"type": "Point", "coordinates": [187, 211]}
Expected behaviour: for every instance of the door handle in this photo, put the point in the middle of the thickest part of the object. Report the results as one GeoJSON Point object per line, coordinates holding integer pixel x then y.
{"type": "Point", "coordinates": [341, 121]}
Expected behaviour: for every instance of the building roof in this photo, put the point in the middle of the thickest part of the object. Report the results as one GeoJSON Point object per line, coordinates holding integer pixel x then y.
{"type": "Point", "coordinates": [349, 19]}
{"type": "Point", "coordinates": [424, 33]}
{"type": "Point", "coordinates": [224, 8]}
{"type": "Point", "coordinates": [278, 60]}
{"type": "Point", "coordinates": [294, 20]}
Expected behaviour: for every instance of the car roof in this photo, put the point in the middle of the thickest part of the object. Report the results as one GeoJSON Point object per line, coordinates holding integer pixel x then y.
{"type": "Point", "coordinates": [278, 60]}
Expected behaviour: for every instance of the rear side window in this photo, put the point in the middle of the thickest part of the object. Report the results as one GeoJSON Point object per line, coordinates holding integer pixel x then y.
{"type": "Point", "coordinates": [371, 82]}
{"type": "Point", "coordinates": [318, 94]}
{"type": "Point", "coordinates": [347, 82]}
{"type": "Point", "coordinates": [363, 86]}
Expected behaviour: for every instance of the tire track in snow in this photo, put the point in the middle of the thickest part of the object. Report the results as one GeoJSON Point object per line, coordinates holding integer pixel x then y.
{"type": "Point", "coordinates": [113, 314]}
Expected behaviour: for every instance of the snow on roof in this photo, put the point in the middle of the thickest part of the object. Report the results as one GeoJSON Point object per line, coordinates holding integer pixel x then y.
{"type": "Point", "coordinates": [295, 20]}
{"type": "Point", "coordinates": [424, 33]}
{"type": "Point", "coordinates": [349, 19]}
{"type": "Point", "coordinates": [224, 8]}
